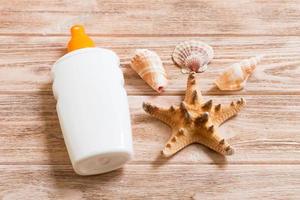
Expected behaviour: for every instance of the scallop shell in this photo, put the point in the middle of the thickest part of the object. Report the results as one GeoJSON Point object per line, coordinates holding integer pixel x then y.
{"type": "Point", "coordinates": [150, 68]}
{"type": "Point", "coordinates": [235, 77]}
{"type": "Point", "coordinates": [193, 56]}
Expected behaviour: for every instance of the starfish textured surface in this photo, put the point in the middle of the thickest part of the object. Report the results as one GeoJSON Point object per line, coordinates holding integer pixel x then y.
{"type": "Point", "coordinates": [195, 121]}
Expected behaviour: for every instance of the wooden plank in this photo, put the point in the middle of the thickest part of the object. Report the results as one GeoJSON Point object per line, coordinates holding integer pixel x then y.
{"type": "Point", "coordinates": [25, 62]}
{"type": "Point", "coordinates": [152, 17]}
{"type": "Point", "coordinates": [265, 132]}
{"type": "Point", "coordinates": [152, 182]}
{"type": "Point", "coordinates": [34, 163]}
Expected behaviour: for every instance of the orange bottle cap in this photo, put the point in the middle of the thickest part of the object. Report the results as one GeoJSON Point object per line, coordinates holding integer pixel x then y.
{"type": "Point", "coordinates": [79, 39]}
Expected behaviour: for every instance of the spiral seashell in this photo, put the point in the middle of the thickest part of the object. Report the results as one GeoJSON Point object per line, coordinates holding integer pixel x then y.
{"type": "Point", "coordinates": [235, 77]}
{"type": "Point", "coordinates": [150, 68]}
{"type": "Point", "coordinates": [193, 55]}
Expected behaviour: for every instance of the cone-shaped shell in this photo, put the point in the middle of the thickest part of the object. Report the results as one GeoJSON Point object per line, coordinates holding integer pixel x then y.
{"type": "Point", "coordinates": [150, 68]}
{"type": "Point", "coordinates": [193, 55]}
{"type": "Point", "coordinates": [235, 77]}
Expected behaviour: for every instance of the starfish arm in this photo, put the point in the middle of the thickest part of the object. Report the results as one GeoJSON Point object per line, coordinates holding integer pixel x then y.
{"type": "Point", "coordinates": [213, 141]}
{"type": "Point", "coordinates": [207, 134]}
{"type": "Point", "coordinates": [178, 141]}
{"type": "Point", "coordinates": [192, 94]}
{"type": "Point", "coordinates": [165, 115]}
{"type": "Point", "coordinates": [223, 113]}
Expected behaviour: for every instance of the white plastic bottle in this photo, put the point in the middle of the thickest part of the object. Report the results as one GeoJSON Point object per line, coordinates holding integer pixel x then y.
{"type": "Point", "coordinates": [92, 106]}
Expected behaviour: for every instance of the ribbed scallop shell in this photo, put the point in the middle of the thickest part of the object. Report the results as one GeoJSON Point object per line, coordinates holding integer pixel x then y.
{"type": "Point", "coordinates": [193, 56]}
{"type": "Point", "coordinates": [150, 68]}
{"type": "Point", "coordinates": [235, 77]}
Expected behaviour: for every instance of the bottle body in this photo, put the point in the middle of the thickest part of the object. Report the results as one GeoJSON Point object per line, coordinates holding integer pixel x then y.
{"type": "Point", "coordinates": [93, 110]}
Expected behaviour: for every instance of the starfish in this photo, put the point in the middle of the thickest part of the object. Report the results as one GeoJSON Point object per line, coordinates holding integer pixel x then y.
{"type": "Point", "coordinates": [195, 121]}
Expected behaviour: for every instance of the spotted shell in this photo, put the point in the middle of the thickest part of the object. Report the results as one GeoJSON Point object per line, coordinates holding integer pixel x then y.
{"type": "Point", "coordinates": [193, 56]}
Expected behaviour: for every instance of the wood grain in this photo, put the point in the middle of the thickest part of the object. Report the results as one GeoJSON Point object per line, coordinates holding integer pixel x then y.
{"type": "Point", "coordinates": [25, 62]}
{"type": "Point", "coordinates": [265, 132]}
{"type": "Point", "coordinates": [141, 181]}
{"type": "Point", "coordinates": [154, 17]}
{"type": "Point", "coordinates": [34, 163]}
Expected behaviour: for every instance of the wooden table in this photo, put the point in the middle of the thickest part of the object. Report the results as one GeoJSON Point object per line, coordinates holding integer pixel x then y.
{"type": "Point", "coordinates": [34, 163]}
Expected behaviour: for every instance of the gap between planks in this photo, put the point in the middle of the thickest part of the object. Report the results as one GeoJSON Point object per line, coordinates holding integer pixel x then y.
{"type": "Point", "coordinates": [165, 163]}
{"type": "Point", "coordinates": [137, 94]}
{"type": "Point", "coordinates": [160, 164]}
{"type": "Point", "coordinates": [150, 35]}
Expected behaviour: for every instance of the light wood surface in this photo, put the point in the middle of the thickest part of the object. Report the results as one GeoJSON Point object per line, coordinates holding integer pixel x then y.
{"type": "Point", "coordinates": [151, 180]}
{"type": "Point", "coordinates": [278, 73]}
{"type": "Point", "coordinates": [34, 163]}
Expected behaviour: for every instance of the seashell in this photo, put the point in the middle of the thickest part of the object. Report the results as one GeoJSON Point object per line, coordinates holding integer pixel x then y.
{"type": "Point", "coordinates": [235, 77]}
{"type": "Point", "coordinates": [193, 56]}
{"type": "Point", "coordinates": [150, 68]}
